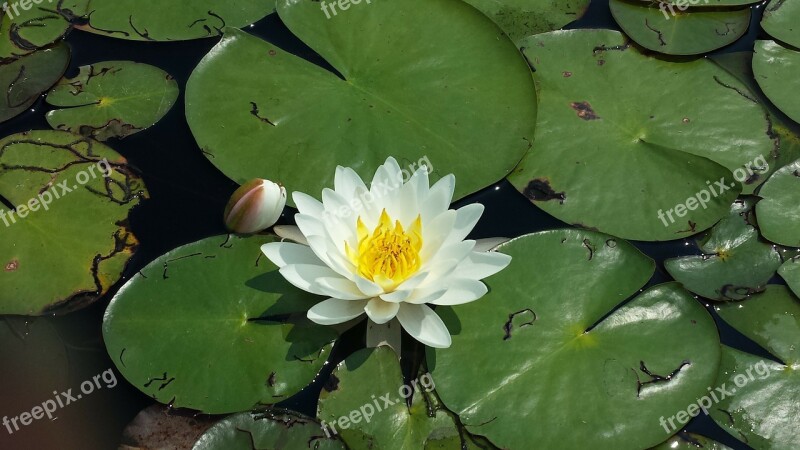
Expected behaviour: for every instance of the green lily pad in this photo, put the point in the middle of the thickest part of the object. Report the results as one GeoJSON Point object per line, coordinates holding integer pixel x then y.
{"type": "Point", "coordinates": [778, 212]}
{"type": "Point", "coordinates": [542, 341]}
{"type": "Point", "coordinates": [760, 406]}
{"type": "Point", "coordinates": [782, 21]}
{"type": "Point", "coordinates": [790, 271]}
{"type": "Point", "coordinates": [112, 99]}
{"type": "Point", "coordinates": [271, 429]}
{"type": "Point", "coordinates": [601, 163]}
{"type": "Point", "coordinates": [688, 33]}
{"type": "Point", "coordinates": [776, 68]}
{"type": "Point", "coordinates": [213, 326]}
{"type": "Point", "coordinates": [24, 79]}
{"type": "Point", "coordinates": [152, 20]}
{"type": "Point", "coordinates": [365, 402]}
{"type": "Point", "coordinates": [690, 441]}
{"type": "Point", "coordinates": [521, 18]}
{"type": "Point", "coordinates": [70, 221]}
{"type": "Point", "coordinates": [23, 31]}
{"type": "Point", "coordinates": [471, 95]}
{"type": "Point", "coordinates": [735, 264]}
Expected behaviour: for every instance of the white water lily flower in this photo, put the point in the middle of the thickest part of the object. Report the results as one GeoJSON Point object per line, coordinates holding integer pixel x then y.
{"type": "Point", "coordinates": [387, 251]}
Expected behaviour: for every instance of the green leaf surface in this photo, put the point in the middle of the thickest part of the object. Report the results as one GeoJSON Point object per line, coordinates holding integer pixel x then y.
{"type": "Point", "coordinates": [778, 212]}
{"type": "Point", "coordinates": [790, 271]}
{"type": "Point", "coordinates": [735, 263]}
{"type": "Point", "coordinates": [112, 99]}
{"type": "Point", "coordinates": [782, 21]}
{"type": "Point", "coordinates": [542, 341]}
{"type": "Point", "coordinates": [69, 222]}
{"type": "Point", "coordinates": [268, 430]}
{"type": "Point", "coordinates": [521, 18]}
{"type": "Point", "coordinates": [365, 403]}
{"type": "Point", "coordinates": [776, 68]}
{"type": "Point", "coordinates": [690, 441]}
{"type": "Point", "coordinates": [687, 33]}
{"type": "Point", "coordinates": [602, 163]}
{"type": "Point", "coordinates": [462, 91]}
{"type": "Point", "coordinates": [171, 20]}
{"type": "Point", "coordinates": [23, 31]}
{"type": "Point", "coordinates": [24, 79]}
{"type": "Point", "coordinates": [213, 326]}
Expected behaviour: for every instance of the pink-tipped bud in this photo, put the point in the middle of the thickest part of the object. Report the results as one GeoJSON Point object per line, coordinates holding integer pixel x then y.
{"type": "Point", "coordinates": [255, 206]}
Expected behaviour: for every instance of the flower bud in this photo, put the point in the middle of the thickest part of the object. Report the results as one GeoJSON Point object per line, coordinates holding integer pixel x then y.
{"type": "Point", "coordinates": [255, 206]}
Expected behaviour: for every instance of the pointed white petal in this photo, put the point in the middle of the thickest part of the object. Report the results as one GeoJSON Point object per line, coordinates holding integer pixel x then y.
{"type": "Point", "coordinates": [347, 181]}
{"type": "Point", "coordinates": [480, 265]}
{"type": "Point", "coordinates": [439, 198]}
{"type": "Point", "coordinates": [334, 310]}
{"type": "Point", "coordinates": [340, 288]}
{"type": "Point", "coordinates": [380, 311]}
{"type": "Point", "coordinates": [487, 244]}
{"type": "Point", "coordinates": [424, 325]}
{"type": "Point", "coordinates": [462, 291]}
{"type": "Point", "coordinates": [291, 233]}
{"type": "Point", "coordinates": [304, 276]}
{"type": "Point", "coordinates": [370, 288]}
{"type": "Point", "coordinates": [405, 289]}
{"type": "Point", "coordinates": [285, 253]}
{"type": "Point", "coordinates": [307, 204]}
{"type": "Point", "coordinates": [466, 219]}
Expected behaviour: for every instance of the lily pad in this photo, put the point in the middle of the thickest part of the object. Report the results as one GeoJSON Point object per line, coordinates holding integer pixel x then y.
{"type": "Point", "coordinates": [365, 402]}
{"type": "Point", "coordinates": [155, 20]}
{"type": "Point", "coordinates": [271, 429]}
{"type": "Point", "coordinates": [521, 18]}
{"type": "Point", "coordinates": [776, 68]}
{"type": "Point", "coordinates": [72, 197]}
{"type": "Point", "coordinates": [690, 441]}
{"type": "Point", "coordinates": [23, 31]}
{"type": "Point", "coordinates": [686, 33]}
{"type": "Point", "coordinates": [213, 326]}
{"type": "Point", "coordinates": [760, 404]}
{"type": "Point", "coordinates": [735, 263]}
{"type": "Point", "coordinates": [462, 91]}
{"type": "Point", "coordinates": [546, 320]}
{"type": "Point", "coordinates": [24, 79]}
{"type": "Point", "coordinates": [601, 163]}
{"type": "Point", "coordinates": [778, 212]}
{"type": "Point", "coordinates": [782, 21]}
{"type": "Point", "coordinates": [112, 99]}
{"type": "Point", "coordinates": [790, 271]}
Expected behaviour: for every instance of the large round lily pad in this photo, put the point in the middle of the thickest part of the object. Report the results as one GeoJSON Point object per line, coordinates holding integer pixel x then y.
{"type": "Point", "coordinates": [24, 79]}
{"type": "Point", "coordinates": [648, 168]}
{"type": "Point", "coordinates": [776, 68]}
{"type": "Point", "coordinates": [521, 18]}
{"type": "Point", "coordinates": [760, 404]}
{"type": "Point", "coordinates": [271, 429]}
{"type": "Point", "coordinates": [213, 326]}
{"type": "Point", "coordinates": [171, 20]}
{"type": "Point", "coordinates": [778, 213]}
{"type": "Point", "coordinates": [686, 33]}
{"type": "Point", "coordinates": [735, 264]}
{"type": "Point", "coordinates": [542, 343]}
{"type": "Point", "coordinates": [365, 402]}
{"type": "Point", "coordinates": [72, 197]}
{"type": "Point", "coordinates": [790, 271]}
{"type": "Point", "coordinates": [112, 99]}
{"type": "Point", "coordinates": [23, 31]}
{"type": "Point", "coordinates": [782, 21]}
{"type": "Point", "coordinates": [461, 92]}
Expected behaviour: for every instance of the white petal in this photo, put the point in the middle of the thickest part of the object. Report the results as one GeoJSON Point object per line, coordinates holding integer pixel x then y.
{"type": "Point", "coordinates": [334, 310]}
{"type": "Point", "coordinates": [290, 232]}
{"type": "Point", "coordinates": [380, 311]}
{"type": "Point", "coordinates": [405, 289]}
{"type": "Point", "coordinates": [332, 256]}
{"type": "Point", "coordinates": [480, 265]}
{"type": "Point", "coordinates": [307, 204]}
{"type": "Point", "coordinates": [466, 219]}
{"type": "Point", "coordinates": [368, 287]}
{"type": "Point", "coordinates": [487, 244]}
{"type": "Point", "coordinates": [439, 198]}
{"type": "Point", "coordinates": [422, 323]}
{"type": "Point", "coordinates": [435, 232]}
{"type": "Point", "coordinates": [346, 182]}
{"type": "Point", "coordinates": [304, 276]}
{"type": "Point", "coordinates": [285, 253]}
{"type": "Point", "coordinates": [462, 291]}
{"type": "Point", "coordinates": [340, 288]}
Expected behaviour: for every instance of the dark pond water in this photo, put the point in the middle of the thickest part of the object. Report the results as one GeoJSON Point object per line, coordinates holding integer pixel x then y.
{"type": "Point", "coordinates": [187, 199]}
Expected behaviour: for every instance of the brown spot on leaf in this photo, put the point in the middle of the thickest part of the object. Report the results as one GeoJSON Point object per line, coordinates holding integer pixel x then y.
{"type": "Point", "coordinates": [567, 74]}
{"type": "Point", "coordinates": [540, 190]}
{"type": "Point", "coordinates": [12, 265]}
{"type": "Point", "coordinates": [584, 110]}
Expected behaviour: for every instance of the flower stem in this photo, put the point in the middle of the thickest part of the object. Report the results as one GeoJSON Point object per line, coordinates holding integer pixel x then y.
{"type": "Point", "coordinates": [385, 334]}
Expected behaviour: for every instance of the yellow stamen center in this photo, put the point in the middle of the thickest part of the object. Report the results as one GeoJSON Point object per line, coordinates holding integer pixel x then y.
{"type": "Point", "coordinates": [390, 254]}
